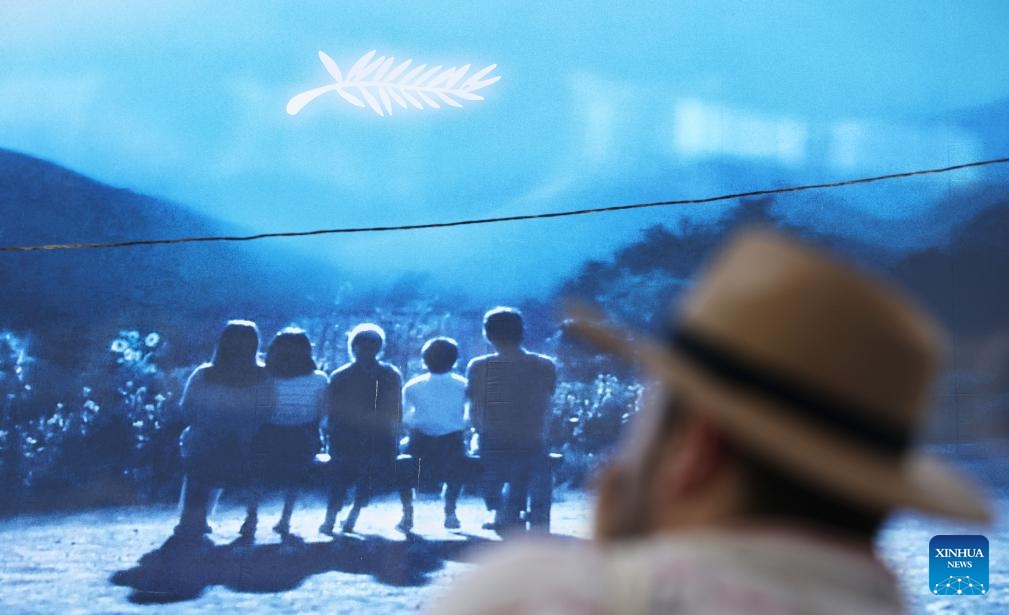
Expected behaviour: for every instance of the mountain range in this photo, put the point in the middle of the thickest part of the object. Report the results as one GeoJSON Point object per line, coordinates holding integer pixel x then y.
{"type": "Point", "coordinates": [67, 297]}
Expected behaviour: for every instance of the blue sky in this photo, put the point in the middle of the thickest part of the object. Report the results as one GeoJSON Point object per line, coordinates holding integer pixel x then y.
{"type": "Point", "coordinates": [185, 100]}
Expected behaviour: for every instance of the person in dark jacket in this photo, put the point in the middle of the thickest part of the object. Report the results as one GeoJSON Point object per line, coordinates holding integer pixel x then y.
{"type": "Point", "coordinates": [510, 392]}
{"type": "Point", "coordinates": [364, 419]}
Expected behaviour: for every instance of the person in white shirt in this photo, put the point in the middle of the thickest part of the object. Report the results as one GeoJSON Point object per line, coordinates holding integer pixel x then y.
{"type": "Point", "coordinates": [435, 416]}
{"type": "Point", "coordinates": [791, 388]}
{"type": "Point", "coordinates": [284, 447]}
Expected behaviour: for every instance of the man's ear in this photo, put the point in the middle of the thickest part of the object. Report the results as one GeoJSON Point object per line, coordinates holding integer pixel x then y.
{"type": "Point", "coordinates": [693, 459]}
{"type": "Point", "coordinates": [612, 520]}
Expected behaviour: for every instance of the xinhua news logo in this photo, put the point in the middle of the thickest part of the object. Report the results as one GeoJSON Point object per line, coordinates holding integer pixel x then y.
{"type": "Point", "coordinates": [958, 565]}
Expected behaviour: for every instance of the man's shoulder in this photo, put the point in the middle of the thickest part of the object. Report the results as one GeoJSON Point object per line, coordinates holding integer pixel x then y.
{"type": "Point", "coordinates": [542, 365]}
{"type": "Point", "coordinates": [389, 370]}
{"type": "Point", "coordinates": [201, 371]}
{"type": "Point", "coordinates": [312, 377]}
{"type": "Point", "coordinates": [545, 361]}
{"type": "Point", "coordinates": [341, 372]}
{"type": "Point", "coordinates": [199, 375]}
{"type": "Point", "coordinates": [416, 380]}
{"type": "Point", "coordinates": [317, 378]}
{"type": "Point", "coordinates": [555, 576]}
{"type": "Point", "coordinates": [786, 572]}
{"type": "Point", "coordinates": [482, 359]}
{"type": "Point", "coordinates": [478, 363]}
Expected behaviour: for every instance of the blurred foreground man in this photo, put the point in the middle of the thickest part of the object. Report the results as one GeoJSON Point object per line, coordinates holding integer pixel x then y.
{"type": "Point", "coordinates": [792, 388]}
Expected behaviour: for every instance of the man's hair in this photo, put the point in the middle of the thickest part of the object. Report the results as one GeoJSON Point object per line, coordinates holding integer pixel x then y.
{"type": "Point", "coordinates": [773, 493]}
{"type": "Point", "coordinates": [503, 325]}
{"type": "Point", "coordinates": [366, 336]}
{"type": "Point", "coordinates": [290, 354]}
{"type": "Point", "coordinates": [236, 357]}
{"type": "Point", "coordinates": [440, 354]}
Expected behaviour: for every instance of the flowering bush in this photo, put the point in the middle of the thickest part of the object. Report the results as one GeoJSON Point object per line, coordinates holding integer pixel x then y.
{"type": "Point", "coordinates": [14, 390]}
{"type": "Point", "coordinates": [136, 352]}
{"type": "Point", "coordinates": [587, 419]}
{"type": "Point", "coordinates": [47, 444]}
{"type": "Point", "coordinates": [117, 432]}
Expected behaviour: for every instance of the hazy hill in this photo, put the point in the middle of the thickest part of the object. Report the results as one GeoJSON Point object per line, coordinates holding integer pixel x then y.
{"type": "Point", "coordinates": [967, 281]}
{"type": "Point", "coordinates": [66, 297]}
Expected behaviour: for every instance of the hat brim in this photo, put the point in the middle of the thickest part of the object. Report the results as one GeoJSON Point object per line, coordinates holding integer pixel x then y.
{"type": "Point", "coordinates": [878, 482]}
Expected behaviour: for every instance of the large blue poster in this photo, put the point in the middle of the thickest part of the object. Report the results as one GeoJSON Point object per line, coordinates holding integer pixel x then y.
{"type": "Point", "coordinates": [364, 183]}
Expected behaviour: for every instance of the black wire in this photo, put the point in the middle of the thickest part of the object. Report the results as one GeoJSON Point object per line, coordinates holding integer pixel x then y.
{"type": "Point", "coordinates": [474, 221]}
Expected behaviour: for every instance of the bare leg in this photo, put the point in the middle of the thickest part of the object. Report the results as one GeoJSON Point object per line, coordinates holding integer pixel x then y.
{"type": "Point", "coordinates": [251, 494]}
{"type": "Point", "coordinates": [284, 526]}
{"type": "Point", "coordinates": [355, 512]}
{"type": "Point", "coordinates": [540, 495]}
{"type": "Point", "coordinates": [337, 495]}
{"type": "Point", "coordinates": [195, 503]}
{"type": "Point", "coordinates": [215, 497]}
{"type": "Point", "coordinates": [405, 524]}
{"type": "Point", "coordinates": [405, 473]}
{"type": "Point", "coordinates": [516, 497]}
{"type": "Point", "coordinates": [496, 468]}
{"type": "Point", "coordinates": [453, 464]}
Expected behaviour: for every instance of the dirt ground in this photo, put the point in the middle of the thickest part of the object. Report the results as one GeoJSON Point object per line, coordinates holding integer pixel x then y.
{"type": "Point", "coordinates": [93, 562]}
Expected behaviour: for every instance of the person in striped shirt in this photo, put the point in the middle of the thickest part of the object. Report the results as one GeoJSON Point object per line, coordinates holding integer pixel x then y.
{"type": "Point", "coordinates": [284, 448]}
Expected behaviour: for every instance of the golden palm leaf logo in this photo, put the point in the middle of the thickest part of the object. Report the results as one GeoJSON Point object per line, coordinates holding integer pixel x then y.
{"type": "Point", "coordinates": [381, 84]}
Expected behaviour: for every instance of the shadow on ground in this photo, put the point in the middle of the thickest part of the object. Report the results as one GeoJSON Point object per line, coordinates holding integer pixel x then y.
{"type": "Point", "coordinates": [175, 572]}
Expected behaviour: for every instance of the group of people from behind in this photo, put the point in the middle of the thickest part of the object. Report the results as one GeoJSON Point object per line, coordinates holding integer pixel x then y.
{"type": "Point", "coordinates": [249, 424]}
{"type": "Point", "coordinates": [259, 426]}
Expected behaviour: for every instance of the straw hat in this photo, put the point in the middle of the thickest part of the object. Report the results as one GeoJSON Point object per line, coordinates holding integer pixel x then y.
{"type": "Point", "coordinates": [821, 370]}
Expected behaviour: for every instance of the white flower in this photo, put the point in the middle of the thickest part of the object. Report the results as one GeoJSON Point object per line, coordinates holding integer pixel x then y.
{"type": "Point", "coordinates": [119, 345]}
{"type": "Point", "coordinates": [152, 339]}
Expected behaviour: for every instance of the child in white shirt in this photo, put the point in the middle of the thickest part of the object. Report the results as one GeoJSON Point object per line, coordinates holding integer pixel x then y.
{"type": "Point", "coordinates": [434, 414]}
